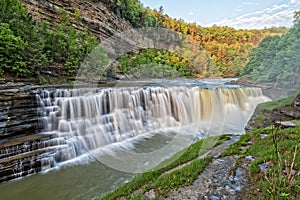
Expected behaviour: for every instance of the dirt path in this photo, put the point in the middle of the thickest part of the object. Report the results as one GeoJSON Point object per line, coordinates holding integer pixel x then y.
{"type": "Point", "coordinates": [215, 182]}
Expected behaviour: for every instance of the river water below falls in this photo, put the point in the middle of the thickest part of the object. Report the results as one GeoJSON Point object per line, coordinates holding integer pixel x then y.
{"type": "Point", "coordinates": [84, 178]}
{"type": "Point", "coordinates": [101, 138]}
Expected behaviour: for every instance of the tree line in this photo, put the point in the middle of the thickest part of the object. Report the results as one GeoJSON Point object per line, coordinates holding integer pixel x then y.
{"type": "Point", "coordinates": [227, 48]}
{"type": "Point", "coordinates": [276, 59]}
{"type": "Point", "coordinates": [27, 46]}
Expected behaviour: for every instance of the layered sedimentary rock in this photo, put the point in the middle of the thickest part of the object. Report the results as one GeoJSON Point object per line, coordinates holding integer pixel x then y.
{"type": "Point", "coordinates": [18, 128]}
{"type": "Point", "coordinates": [18, 115]}
{"type": "Point", "coordinates": [96, 16]}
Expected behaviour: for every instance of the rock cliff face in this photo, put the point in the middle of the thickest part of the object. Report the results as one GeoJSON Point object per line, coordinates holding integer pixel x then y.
{"type": "Point", "coordinates": [18, 110]}
{"type": "Point", "coordinates": [18, 128]}
{"type": "Point", "coordinates": [23, 150]}
{"type": "Point", "coordinates": [96, 16]}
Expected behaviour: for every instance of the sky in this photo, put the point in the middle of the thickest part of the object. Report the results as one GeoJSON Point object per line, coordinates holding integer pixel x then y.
{"type": "Point", "coordinates": [240, 14]}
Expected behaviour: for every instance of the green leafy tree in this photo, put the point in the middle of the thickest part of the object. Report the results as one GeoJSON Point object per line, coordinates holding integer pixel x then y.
{"type": "Point", "coordinates": [24, 27]}
{"type": "Point", "coordinates": [11, 50]}
{"type": "Point", "coordinates": [276, 59]}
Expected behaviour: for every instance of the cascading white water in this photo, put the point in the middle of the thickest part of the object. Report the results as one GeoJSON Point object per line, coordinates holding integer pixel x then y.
{"type": "Point", "coordinates": [86, 119]}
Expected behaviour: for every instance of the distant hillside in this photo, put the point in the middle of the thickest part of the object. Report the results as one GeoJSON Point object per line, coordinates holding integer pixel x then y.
{"type": "Point", "coordinates": [217, 51]}
{"type": "Point", "coordinates": [276, 61]}
{"type": "Point", "coordinates": [48, 39]}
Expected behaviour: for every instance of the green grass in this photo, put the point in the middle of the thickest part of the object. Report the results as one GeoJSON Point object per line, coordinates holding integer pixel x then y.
{"type": "Point", "coordinates": [236, 148]}
{"type": "Point", "coordinates": [180, 177]}
{"type": "Point", "coordinates": [163, 182]}
{"type": "Point", "coordinates": [277, 151]}
{"type": "Point", "coordinates": [276, 103]}
{"type": "Point", "coordinates": [263, 112]}
{"type": "Point", "coordinates": [192, 152]}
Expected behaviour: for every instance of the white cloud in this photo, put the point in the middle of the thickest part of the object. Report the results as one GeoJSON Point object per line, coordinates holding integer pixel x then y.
{"type": "Point", "coordinates": [237, 10]}
{"type": "Point", "coordinates": [277, 15]}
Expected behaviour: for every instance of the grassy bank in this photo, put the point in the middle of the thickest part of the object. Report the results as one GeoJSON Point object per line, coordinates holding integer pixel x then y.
{"type": "Point", "coordinates": [273, 170]}
{"type": "Point", "coordinates": [266, 113]}
{"type": "Point", "coordinates": [181, 169]}
{"type": "Point", "coordinates": [272, 158]}
{"type": "Point", "coordinates": [269, 156]}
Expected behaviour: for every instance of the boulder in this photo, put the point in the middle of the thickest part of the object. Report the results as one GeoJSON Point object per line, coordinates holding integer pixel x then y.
{"type": "Point", "coordinates": [285, 124]}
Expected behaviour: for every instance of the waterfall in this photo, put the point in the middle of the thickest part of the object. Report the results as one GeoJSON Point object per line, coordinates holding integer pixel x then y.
{"type": "Point", "coordinates": [86, 119]}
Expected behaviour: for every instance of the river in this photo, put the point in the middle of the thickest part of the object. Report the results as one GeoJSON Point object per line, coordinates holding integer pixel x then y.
{"type": "Point", "coordinates": [104, 137]}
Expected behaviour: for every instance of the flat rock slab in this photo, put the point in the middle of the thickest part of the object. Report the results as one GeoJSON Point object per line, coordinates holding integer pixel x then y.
{"type": "Point", "coordinates": [285, 124]}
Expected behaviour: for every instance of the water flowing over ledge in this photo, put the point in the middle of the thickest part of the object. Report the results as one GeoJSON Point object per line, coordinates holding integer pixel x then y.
{"type": "Point", "coordinates": [74, 122]}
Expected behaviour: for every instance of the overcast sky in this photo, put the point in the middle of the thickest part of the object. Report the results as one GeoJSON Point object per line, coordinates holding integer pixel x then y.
{"type": "Point", "coordinates": [245, 14]}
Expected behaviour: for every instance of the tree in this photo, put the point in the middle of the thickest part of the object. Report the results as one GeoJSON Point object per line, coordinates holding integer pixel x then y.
{"type": "Point", "coordinates": [11, 50]}
{"type": "Point", "coordinates": [276, 59]}
{"type": "Point", "coordinates": [24, 27]}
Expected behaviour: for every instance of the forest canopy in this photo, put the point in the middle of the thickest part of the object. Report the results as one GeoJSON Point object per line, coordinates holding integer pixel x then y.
{"type": "Point", "coordinates": [28, 46]}
{"type": "Point", "coordinates": [276, 59]}
{"type": "Point", "coordinates": [227, 48]}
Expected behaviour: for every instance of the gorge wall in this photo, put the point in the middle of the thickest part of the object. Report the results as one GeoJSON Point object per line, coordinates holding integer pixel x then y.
{"type": "Point", "coordinates": [18, 114]}
{"type": "Point", "coordinates": [18, 128]}
{"type": "Point", "coordinates": [96, 16]}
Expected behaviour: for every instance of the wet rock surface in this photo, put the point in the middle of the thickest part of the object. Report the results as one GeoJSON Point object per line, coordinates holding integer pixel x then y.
{"type": "Point", "coordinates": [285, 124]}
{"type": "Point", "coordinates": [18, 110]}
{"type": "Point", "coordinates": [23, 150]}
{"type": "Point", "coordinates": [216, 182]}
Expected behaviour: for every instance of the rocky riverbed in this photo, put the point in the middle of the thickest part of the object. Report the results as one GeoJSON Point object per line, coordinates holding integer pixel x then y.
{"type": "Point", "coordinates": [216, 182]}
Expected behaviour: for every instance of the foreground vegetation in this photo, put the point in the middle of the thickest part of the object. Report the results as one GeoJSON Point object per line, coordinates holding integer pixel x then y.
{"type": "Point", "coordinates": [169, 174]}
{"type": "Point", "coordinates": [274, 172]}
{"type": "Point", "coordinates": [269, 156]}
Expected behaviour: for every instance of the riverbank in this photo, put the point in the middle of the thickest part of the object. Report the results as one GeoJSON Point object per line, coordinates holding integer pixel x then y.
{"type": "Point", "coordinates": [254, 166]}
{"type": "Point", "coordinates": [264, 163]}
{"type": "Point", "coordinates": [183, 168]}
